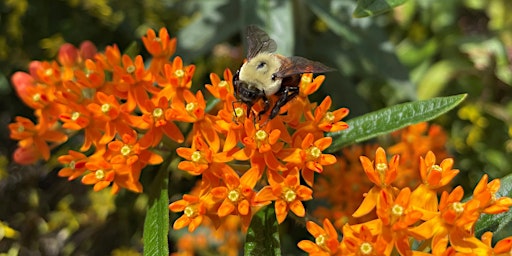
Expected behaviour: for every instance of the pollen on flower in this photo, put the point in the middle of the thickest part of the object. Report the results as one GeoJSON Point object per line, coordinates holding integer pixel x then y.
{"type": "Point", "coordinates": [36, 97]}
{"type": "Point", "coordinates": [320, 240]}
{"type": "Point", "coordinates": [397, 210]}
{"type": "Point", "coordinates": [436, 167]}
{"type": "Point", "coordinates": [99, 174]}
{"type": "Point", "coordinates": [366, 248]}
{"type": "Point", "coordinates": [289, 195]}
{"type": "Point", "coordinates": [233, 195]}
{"type": "Point", "coordinates": [130, 69]}
{"type": "Point", "coordinates": [189, 211]}
{"type": "Point", "coordinates": [105, 108]}
{"type": "Point", "coordinates": [329, 116]}
{"type": "Point", "coordinates": [314, 152]}
{"type": "Point", "coordinates": [71, 165]}
{"type": "Point", "coordinates": [125, 150]}
{"type": "Point", "coordinates": [306, 79]}
{"type": "Point", "coordinates": [223, 84]}
{"type": "Point", "coordinates": [190, 107]}
{"type": "Point", "coordinates": [239, 112]}
{"type": "Point", "coordinates": [48, 72]}
{"type": "Point", "coordinates": [158, 112]}
{"type": "Point", "coordinates": [21, 128]}
{"type": "Point", "coordinates": [179, 73]}
{"type": "Point", "coordinates": [381, 167]}
{"type": "Point", "coordinates": [75, 116]}
{"type": "Point", "coordinates": [261, 135]}
{"type": "Point", "coordinates": [196, 156]}
{"type": "Point", "coordinates": [157, 39]}
{"type": "Point", "coordinates": [458, 207]}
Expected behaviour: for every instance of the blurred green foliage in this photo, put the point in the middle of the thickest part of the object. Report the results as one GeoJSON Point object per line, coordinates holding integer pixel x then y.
{"type": "Point", "coordinates": [420, 50]}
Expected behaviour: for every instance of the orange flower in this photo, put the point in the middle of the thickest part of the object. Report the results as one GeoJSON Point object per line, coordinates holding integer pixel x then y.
{"type": "Point", "coordinates": [361, 242]}
{"type": "Point", "coordinates": [201, 157]}
{"type": "Point", "coordinates": [455, 221]}
{"type": "Point", "coordinates": [326, 239]}
{"type": "Point", "coordinates": [309, 157]}
{"type": "Point", "coordinates": [323, 120]}
{"type": "Point", "coordinates": [29, 134]}
{"type": "Point", "coordinates": [288, 195]}
{"type": "Point", "coordinates": [485, 193]}
{"type": "Point", "coordinates": [501, 248]}
{"type": "Point", "coordinates": [75, 164]}
{"type": "Point", "coordinates": [101, 175]}
{"type": "Point", "coordinates": [153, 117]}
{"type": "Point", "coordinates": [161, 48]}
{"type": "Point", "coordinates": [176, 79]}
{"type": "Point", "coordinates": [381, 174]}
{"type": "Point", "coordinates": [221, 89]}
{"type": "Point", "coordinates": [237, 196]}
{"type": "Point", "coordinates": [194, 210]}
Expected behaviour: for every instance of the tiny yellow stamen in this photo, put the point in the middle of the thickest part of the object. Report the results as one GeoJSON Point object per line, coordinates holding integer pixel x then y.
{"type": "Point", "coordinates": [21, 128]}
{"type": "Point", "coordinates": [306, 79]}
{"type": "Point", "coordinates": [196, 156]}
{"type": "Point", "coordinates": [158, 112]}
{"type": "Point", "coordinates": [36, 97]}
{"type": "Point", "coordinates": [189, 211]}
{"type": "Point", "coordinates": [191, 106]}
{"type": "Point", "coordinates": [366, 248]}
{"type": "Point", "coordinates": [329, 116]}
{"type": "Point", "coordinates": [321, 240]}
{"type": "Point", "coordinates": [99, 174]}
{"type": "Point", "coordinates": [75, 116]}
{"type": "Point", "coordinates": [71, 165]}
{"type": "Point", "coordinates": [179, 73]}
{"type": "Point", "coordinates": [313, 153]}
{"type": "Point", "coordinates": [105, 108]}
{"type": "Point", "coordinates": [261, 135]}
{"type": "Point", "coordinates": [397, 210]}
{"type": "Point", "coordinates": [239, 112]}
{"type": "Point", "coordinates": [48, 72]}
{"type": "Point", "coordinates": [157, 39]}
{"type": "Point", "coordinates": [381, 168]}
{"type": "Point", "coordinates": [125, 150]}
{"type": "Point", "coordinates": [436, 167]}
{"type": "Point", "coordinates": [233, 195]}
{"type": "Point", "coordinates": [458, 207]}
{"type": "Point", "coordinates": [130, 69]}
{"type": "Point", "coordinates": [289, 195]}
{"type": "Point", "coordinates": [223, 84]}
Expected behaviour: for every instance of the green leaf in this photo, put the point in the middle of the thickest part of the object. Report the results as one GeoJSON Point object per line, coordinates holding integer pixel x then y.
{"type": "Point", "coordinates": [499, 224]}
{"type": "Point", "coordinates": [392, 118]}
{"type": "Point", "coordinates": [263, 235]}
{"type": "Point", "coordinates": [156, 224]}
{"type": "Point", "coordinates": [366, 8]}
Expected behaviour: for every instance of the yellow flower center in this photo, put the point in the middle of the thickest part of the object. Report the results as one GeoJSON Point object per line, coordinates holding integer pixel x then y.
{"type": "Point", "coordinates": [458, 207]}
{"type": "Point", "coordinates": [436, 167]}
{"type": "Point", "coordinates": [381, 168]}
{"type": "Point", "coordinates": [179, 73]}
{"type": "Point", "coordinates": [233, 195]}
{"type": "Point", "coordinates": [397, 210]}
{"type": "Point", "coordinates": [158, 112]}
{"type": "Point", "coordinates": [21, 128]}
{"type": "Point", "coordinates": [261, 135]}
{"type": "Point", "coordinates": [289, 195]}
{"type": "Point", "coordinates": [223, 84]}
{"type": "Point", "coordinates": [321, 240]}
{"type": "Point", "coordinates": [190, 107]}
{"type": "Point", "coordinates": [329, 117]}
{"type": "Point", "coordinates": [48, 72]}
{"type": "Point", "coordinates": [75, 116]}
{"type": "Point", "coordinates": [125, 150]}
{"type": "Point", "coordinates": [196, 157]}
{"type": "Point", "coordinates": [88, 72]}
{"type": "Point", "coordinates": [71, 165]}
{"type": "Point", "coordinates": [190, 211]}
{"type": "Point", "coordinates": [366, 248]}
{"type": "Point", "coordinates": [36, 97]}
{"type": "Point", "coordinates": [105, 108]}
{"type": "Point", "coordinates": [306, 79]}
{"type": "Point", "coordinates": [313, 153]}
{"type": "Point", "coordinates": [99, 174]}
{"type": "Point", "coordinates": [130, 69]}
{"type": "Point", "coordinates": [157, 39]}
{"type": "Point", "coordinates": [239, 112]}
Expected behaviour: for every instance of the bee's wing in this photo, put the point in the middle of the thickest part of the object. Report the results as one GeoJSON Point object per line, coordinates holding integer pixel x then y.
{"type": "Point", "coordinates": [258, 41]}
{"type": "Point", "coordinates": [298, 65]}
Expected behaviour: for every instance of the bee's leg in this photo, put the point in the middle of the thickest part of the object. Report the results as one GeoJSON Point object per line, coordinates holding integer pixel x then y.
{"type": "Point", "coordinates": [266, 107]}
{"type": "Point", "coordinates": [288, 94]}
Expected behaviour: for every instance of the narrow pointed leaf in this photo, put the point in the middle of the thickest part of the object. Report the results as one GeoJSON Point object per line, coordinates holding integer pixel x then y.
{"type": "Point", "coordinates": [499, 224]}
{"type": "Point", "coordinates": [263, 236]}
{"type": "Point", "coordinates": [156, 224]}
{"type": "Point", "coordinates": [392, 118]}
{"type": "Point", "coordinates": [367, 8]}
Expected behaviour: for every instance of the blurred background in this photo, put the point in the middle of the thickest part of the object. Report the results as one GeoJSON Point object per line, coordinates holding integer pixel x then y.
{"type": "Point", "coordinates": [420, 50]}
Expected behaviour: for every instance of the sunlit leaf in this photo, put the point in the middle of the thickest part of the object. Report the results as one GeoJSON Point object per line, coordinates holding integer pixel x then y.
{"type": "Point", "coordinates": [366, 8]}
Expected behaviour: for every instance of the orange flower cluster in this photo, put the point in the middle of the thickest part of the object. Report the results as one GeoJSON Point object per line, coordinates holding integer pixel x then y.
{"type": "Point", "coordinates": [277, 154]}
{"type": "Point", "coordinates": [121, 108]}
{"type": "Point", "coordinates": [438, 227]}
